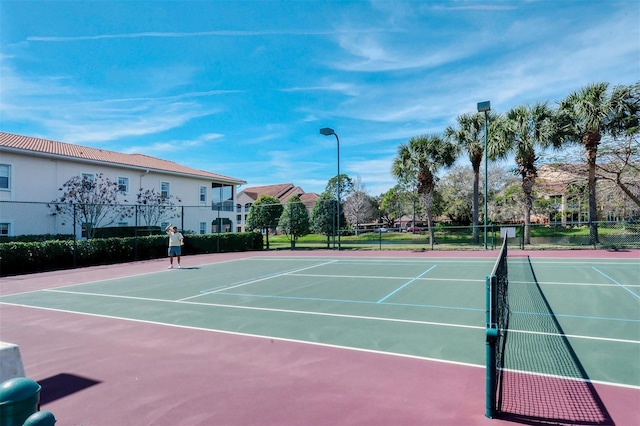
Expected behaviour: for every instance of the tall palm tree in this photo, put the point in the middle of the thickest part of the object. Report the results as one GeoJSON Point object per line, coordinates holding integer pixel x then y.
{"type": "Point", "coordinates": [585, 116]}
{"type": "Point", "coordinates": [417, 164]}
{"type": "Point", "coordinates": [520, 131]}
{"type": "Point", "coordinates": [470, 136]}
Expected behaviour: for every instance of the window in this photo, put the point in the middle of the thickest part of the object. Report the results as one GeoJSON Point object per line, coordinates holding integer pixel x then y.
{"type": "Point", "coordinates": [203, 227]}
{"type": "Point", "coordinates": [222, 198]}
{"type": "Point", "coordinates": [5, 176]}
{"type": "Point", "coordinates": [123, 185]}
{"type": "Point", "coordinates": [164, 189]}
{"type": "Point", "coordinates": [87, 180]}
{"type": "Point", "coordinates": [5, 229]}
{"type": "Point", "coordinates": [239, 218]}
{"type": "Point", "coordinates": [203, 194]}
{"type": "Point", "coordinates": [123, 223]}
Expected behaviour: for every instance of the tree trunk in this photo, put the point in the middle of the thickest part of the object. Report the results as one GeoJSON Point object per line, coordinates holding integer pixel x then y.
{"type": "Point", "coordinates": [527, 187]}
{"type": "Point", "coordinates": [475, 207]}
{"type": "Point", "coordinates": [591, 141]}
{"type": "Point", "coordinates": [428, 201]}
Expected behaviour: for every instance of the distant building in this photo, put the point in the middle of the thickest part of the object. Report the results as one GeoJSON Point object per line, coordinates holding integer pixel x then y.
{"type": "Point", "coordinates": [282, 192]}
{"type": "Point", "coordinates": [566, 186]}
{"type": "Point", "coordinates": [33, 169]}
{"type": "Point", "coordinates": [555, 182]}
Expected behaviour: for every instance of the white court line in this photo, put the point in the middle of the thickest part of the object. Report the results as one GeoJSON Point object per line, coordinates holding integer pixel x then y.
{"type": "Point", "coordinates": [327, 314]}
{"type": "Point", "coordinates": [287, 311]}
{"type": "Point", "coordinates": [390, 278]}
{"type": "Point", "coordinates": [411, 280]}
{"type": "Point", "coordinates": [258, 280]}
{"type": "Point", "coordinates": [616, 282]}
{"type": "Point", "coordinates": [303, 342]}
{"type": "Point", "coordinates": [260, 336]}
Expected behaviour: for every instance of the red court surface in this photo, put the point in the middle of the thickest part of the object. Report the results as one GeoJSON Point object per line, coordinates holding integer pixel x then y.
{"type": "Point", "coordinates": [106, 371]}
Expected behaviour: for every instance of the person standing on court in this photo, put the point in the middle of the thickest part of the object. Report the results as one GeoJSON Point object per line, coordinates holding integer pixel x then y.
{"type": "Point", "coordinates": [176, 241]}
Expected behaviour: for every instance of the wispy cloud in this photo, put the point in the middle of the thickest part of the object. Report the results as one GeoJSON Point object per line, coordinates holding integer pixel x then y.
{"type": "Point", "coordinates": [373, 54]}
{"type": "Point", "coordinates": [217, 33]}
{"type": "Point", "coordinates": [176, 145]}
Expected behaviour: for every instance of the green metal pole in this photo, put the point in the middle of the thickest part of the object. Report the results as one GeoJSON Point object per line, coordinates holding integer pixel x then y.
{"type": "Point", "coordinates": [490, 349]}
{"type": "Point", "coordinates": [486, 182]}
{"type": "Point", "coordinates": [338, 142]}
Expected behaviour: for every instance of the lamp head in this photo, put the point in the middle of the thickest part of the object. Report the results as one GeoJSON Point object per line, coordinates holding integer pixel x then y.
{"type": "Point", "coordinates": [484, 106]}
{"type": "Point", "coordinates": [327, 131]}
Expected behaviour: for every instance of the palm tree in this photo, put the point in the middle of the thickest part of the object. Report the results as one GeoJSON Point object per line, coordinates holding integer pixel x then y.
{"type": "Point", "coordinates": [470, 136]}
{"type": "Point", "coordinates": [585, 116]}
{"type": "Point", "coordinates": [519, 132]}
{"type": "Point", "coordinates": [417, 164]}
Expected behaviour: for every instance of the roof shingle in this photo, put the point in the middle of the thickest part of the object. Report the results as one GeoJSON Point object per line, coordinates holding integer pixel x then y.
{"type": "Point", "coordinates": [45, 146]}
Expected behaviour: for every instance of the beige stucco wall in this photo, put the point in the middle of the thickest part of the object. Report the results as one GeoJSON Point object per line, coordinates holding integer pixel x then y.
{"type": "Point", "coordinates": [36, 178]}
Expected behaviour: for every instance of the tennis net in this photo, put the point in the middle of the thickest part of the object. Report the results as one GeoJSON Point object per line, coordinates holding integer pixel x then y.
{"type": "Point", "coordinates": [535, 377]}
{"type": "Point", "coordinates": [543, 380]}
{"type": "Point", "coordinates": [497, 322]}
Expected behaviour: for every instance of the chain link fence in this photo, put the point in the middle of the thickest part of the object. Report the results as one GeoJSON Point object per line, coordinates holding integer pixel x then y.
{"type": "Point", "coordinates": [30, 221]}
{"type": "Point", "coordinates": [25, 220]}
{"type": "Point", "coordinates": [610, 235]}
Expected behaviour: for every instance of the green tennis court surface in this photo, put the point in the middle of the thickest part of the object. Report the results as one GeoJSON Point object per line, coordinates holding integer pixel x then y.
{"type": "Point", "coordinates": [428, 308]}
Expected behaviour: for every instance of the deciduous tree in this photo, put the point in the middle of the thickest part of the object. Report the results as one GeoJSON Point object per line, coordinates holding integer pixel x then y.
{"type": "Point", "coordinates": [294, 221]}
{"type": "Point", "coordinates": [264, 215]}
{"type": "Point", "coordinates": [92, 201]}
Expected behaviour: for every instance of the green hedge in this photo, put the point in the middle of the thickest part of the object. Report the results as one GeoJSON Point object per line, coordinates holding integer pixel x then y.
{"type": "Point", "coordinates": [127, 231]}
{"type": "Point", "coordinates": [38, 256]}
{"type": "Point", "coordinates": [38, 237]}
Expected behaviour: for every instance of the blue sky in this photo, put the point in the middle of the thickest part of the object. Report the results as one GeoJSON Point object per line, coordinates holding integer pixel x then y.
{"type": "Point", "coordinates": [241, 88]}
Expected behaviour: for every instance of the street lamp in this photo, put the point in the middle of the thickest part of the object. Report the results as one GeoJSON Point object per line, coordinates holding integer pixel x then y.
{"type": "Point", "coordinates": [485, 107]}
{"type": "Point", "coordinates": [327, 131]}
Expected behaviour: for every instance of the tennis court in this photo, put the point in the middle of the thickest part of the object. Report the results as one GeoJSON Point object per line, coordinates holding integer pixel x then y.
{"type": "Point", "coordinates": [329, 337]}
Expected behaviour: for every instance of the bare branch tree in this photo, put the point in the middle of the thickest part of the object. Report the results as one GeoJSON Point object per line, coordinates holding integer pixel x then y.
{"type": "Point", "coordinates": [155, 208]}
{"type": "Point", "coordinates": [91, 201]}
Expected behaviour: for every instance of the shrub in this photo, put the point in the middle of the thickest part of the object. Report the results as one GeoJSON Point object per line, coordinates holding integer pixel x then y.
{"type": "Point", "coordinates": [37, 256]}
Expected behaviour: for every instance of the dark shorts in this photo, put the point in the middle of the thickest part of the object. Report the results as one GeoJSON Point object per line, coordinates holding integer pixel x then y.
{"type": "Point", "coordinates": [175, 251]}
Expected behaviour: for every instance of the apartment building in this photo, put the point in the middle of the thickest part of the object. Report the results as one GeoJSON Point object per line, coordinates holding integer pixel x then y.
{"type": "Point", "coordinates": [282, 192]}
{"type": "Point", "coordinates": [32, 171]}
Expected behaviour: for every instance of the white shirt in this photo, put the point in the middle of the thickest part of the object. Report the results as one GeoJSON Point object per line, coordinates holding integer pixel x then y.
{"type": "Point", "coordinates": [175, 238]}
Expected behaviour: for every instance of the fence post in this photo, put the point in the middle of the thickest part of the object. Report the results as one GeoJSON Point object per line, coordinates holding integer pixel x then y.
{"type": "Point", "coordinates": [135, 233]}
{"type": "Point", "coordinates": [75, 237]}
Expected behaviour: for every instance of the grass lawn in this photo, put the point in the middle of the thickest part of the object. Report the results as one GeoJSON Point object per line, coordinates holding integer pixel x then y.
{"type": "Point", "coordinates": [450, 238]}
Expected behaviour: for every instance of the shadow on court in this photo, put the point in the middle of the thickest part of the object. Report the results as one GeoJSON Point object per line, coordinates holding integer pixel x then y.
{"type": "Point", "coordinates": [62, 385]}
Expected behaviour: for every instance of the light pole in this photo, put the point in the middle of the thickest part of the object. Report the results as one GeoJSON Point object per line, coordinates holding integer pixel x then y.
{"type": "Point", "coordinates": [485, 107]}
{"type": "Point", "coordinates": [326, 131]}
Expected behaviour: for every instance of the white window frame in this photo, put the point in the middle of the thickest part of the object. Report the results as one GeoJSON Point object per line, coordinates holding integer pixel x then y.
{"type": "Point", "coordinates": [165, 193]}
{"type": "Point", "coordinates": [8, 176]}
{"type": "Point", "coordinates": [126, 184]}
{"type": "Point", "coordinates": [9, 226]}
{"type": "Point", "coordinates": [90, 177]}
{"type": "Point", "coordinates": [203, 228]}
{"type": "Point", "coordinates": [203, 194]}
